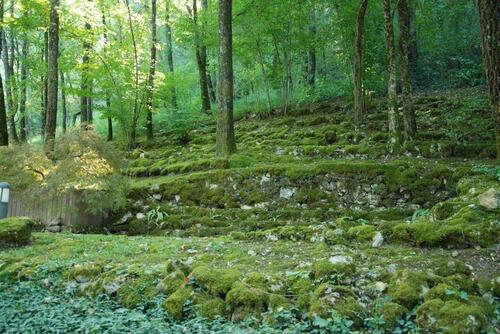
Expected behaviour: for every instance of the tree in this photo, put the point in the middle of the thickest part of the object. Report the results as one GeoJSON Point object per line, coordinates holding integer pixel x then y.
{"type": "Point", "coordinates": [311, 78]}
{"type": "Point", "coordinates": [85, 101]}
{"type": "Point", "coordinates": [53, 74]}
{"type": "Point", "coordinates": [151, 77]}
{"type": "Point", "coordinates": [22, 98]}
{"type": "Point", "coordinates": [226, 143]}
{"type": "Point", "coordinates": [489, 17]}
{"type": "Point", "coordinates": [359, 104]}
{"type": "Point", "coordinates": [8, 63]}
{"type": "Point", "coordinates": [201, 60]}
{"type": "Point", "coordinates": [391, 82]}
{"type": "Point", "coordinates": [170, 54]}
{"type": "Point", "coordinates": [64, 104]}
{"type": "Point", "coordinates": [410, 124]}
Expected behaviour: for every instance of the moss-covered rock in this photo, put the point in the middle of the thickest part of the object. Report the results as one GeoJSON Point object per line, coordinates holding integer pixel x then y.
{"type": "Point", "coordinates": [328, 297]}
{"type": "Point", "coordinates": [174, 304]}
{"type": "Point", "coordinates": [15, 231]}
{"type": "Point", "coordinates": [451, 317]}
{"type": "Point", "coordinates": [171, 282]}
{"type": "Point", "coordinates": [325, 268]}
{"type": "Point", "coordinates": [213, 308]}
{"type": "Point", "coordinates": [246, 300]}
{"type": "Point", "coordinates": [391, 313]}
{"type": "Point", "coordinates": [362, 232]}
{"type": "Point", "coordinates": [217, 281]}
{"type": "Point", "coordinates": [408, 287]}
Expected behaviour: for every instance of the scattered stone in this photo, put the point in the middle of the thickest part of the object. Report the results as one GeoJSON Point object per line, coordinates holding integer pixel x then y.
{"type": "Point", "coordinates": [287, 193]}
{"type": "Point", "coordinates": [490, 199]}
{"type": "Point", "coordinates": [340, 259]}
{"type": "Point", "coordinates": [140, 216]}
{"type": "Point", "coordinates": [378, 240]}
{"type": "Point", "coordinates": [380, 286]}
{"type": "Point", "coordinates": [251, 252]}
{"type": "Point", "coordinates": [246, 207]}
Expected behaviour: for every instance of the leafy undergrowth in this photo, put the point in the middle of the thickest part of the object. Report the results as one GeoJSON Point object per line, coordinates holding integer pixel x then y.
{"type": "Point", "coordinates": [272, 283]}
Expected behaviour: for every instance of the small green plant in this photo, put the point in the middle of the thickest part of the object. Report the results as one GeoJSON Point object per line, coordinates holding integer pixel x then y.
{"type": "Point", "coordinates": [419, 213]}
{"type": "Point", "coordinates": [156, 216]}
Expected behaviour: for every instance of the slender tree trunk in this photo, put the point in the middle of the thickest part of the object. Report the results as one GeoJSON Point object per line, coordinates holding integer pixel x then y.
{"type": "Point", "coordinates": [4, 133]}
{"type": "Point", "coordinates": [264, 76]}
{"type": "Point", "coordinates": [489, 17]}
{"type": "Point", "coordinates": [211, 86]}
{"type": "Point", "coordinates": [311, 78]}
{"type": "Point", "coordinates": [110, 120]}
{"type": "Point", "coordinates": [410, 124]}
{"type": "Point", "coordinates": [135, 114]}
{"type": "Point", "coordinates": [359, 103]}
{"type": "Point", "coordinates": [22, 98]}
{"type": "Point", "coordinates": [413, 57]}
{"type": "Point", "coordinates": [152, 69]}
{"type": "Point", "coordinates": [85, 102]}
{"type": "Point", "coordinates": [64, 105]}
{"type": "Point", "coordinates": [201, 60]}
{"type": "Point", "coordinates": [170, 56]}
{"type": "Point", "coordinates": [391, 82]}
{"type": "Point", "coordinates": [226, 142]}
{"type": "Point", "coordinates": [53, 74]}
{"type": "Point", "coordinates": [45, 81]}
{"type": "Point", "coordinates": [7, 63]}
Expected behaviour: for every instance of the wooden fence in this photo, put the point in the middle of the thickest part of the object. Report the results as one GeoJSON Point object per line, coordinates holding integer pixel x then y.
{"type": "Point", "coordinates": [68, 208]}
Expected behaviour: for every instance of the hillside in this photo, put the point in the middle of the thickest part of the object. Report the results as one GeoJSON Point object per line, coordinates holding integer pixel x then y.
{"type": "Point", "coordinates": [313, 223]}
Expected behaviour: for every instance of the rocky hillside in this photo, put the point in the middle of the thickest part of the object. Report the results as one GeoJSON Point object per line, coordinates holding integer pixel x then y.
{"type": "Point", "coordinates": [312, 219]}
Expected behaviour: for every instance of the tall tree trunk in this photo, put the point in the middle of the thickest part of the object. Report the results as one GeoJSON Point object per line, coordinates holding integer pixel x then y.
{"type": "Point", "coordinates": [226, 142]}
{"type": "Point", "coordinates": [4, 133]}
{"type": "Point", "coordinates": [410, 124]}
{"type": "Point", "coordinates": [264, 75]}
{"type": "Point", "coordinates": [391, 82]}
{"type": "Point", "coordinates": [53, 75]}
{"type": "Point", "coordinates": [170, 56]}
{"type": "Point", "coordinates": [135, 115]}
{"type": "Point", "coordinates": [85, 115]}
{"type": "Point", "coordinates": [311, 78]}
{"type": "Point", "coordinates": [151, 78]}
{"type": "Point", "coordinates": [64, 105]}
{"type": "Point", "coordinates": [413, 57]}
{"type": "Point", "coordinates": [110, 120]}
{"type": "Point", "coordinates": [489, 16]}
{"type": "Point", "coordinates": [201, 60]}
{"type": "Point", "coordinates": [359, 103]}
{"type": "Point", "coordinates": [45, 56]}
{"type": "Point", "coordinates": [22, 97]}
{"type": "Point", "coordinates": [8, 70]}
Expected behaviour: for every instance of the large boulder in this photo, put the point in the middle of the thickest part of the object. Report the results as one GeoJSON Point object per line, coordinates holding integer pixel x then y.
{"type": "Point", "coordinates": [15, 231]}
{"type": "Point", "coordinates": [490, 199]}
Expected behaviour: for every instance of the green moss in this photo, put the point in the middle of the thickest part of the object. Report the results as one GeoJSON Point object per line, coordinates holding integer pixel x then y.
{"type": "Point", "coordinates": [217, 281]}
{"type": "Point", "coordinates": [85, 272]}
{"type": "Point", "coordinates": [302, 289]}
{"type": "Point", "coordinates": [324, 269]}
{"type": "Point", "coordinates": [445, 210]}
{"type": "Point", "coordinates": [213, 308]}
{"type": "Point", "coordinates": [245, 300]}
{"type": "Point", "coordinates": [15, 231]}
{"type": "Point", "coordinates": [174, 304]}
{"type": "Point", "coordinates": [329, 297]}
{"type": "Point", "coordinates": [135, 291]}
{"type": "Point", "coordinates": [452, 267]}
{"type": "Point", "coordinates": [442, 291]}
{"type": "Point", "coordinates": [450, 317]}
{"type": "Point", "coordinates": [172, 282]}
{"type": "Point", "coordinates": [391, 313]}
{"type": "Point", "coordinates": [362, 232]}
{"type": "Point", "coordinates": [278, 302]}
{"type": "Point", "coordinates": [407, 287]}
